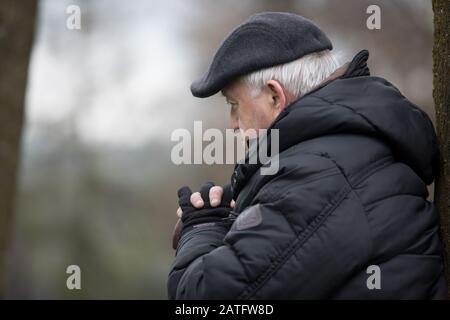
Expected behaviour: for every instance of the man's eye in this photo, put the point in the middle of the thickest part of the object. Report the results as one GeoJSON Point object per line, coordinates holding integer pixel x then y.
{"type": "Point", "coordinates": [231, 104]}
{"type": "Point", "coordinates": [234, 107]}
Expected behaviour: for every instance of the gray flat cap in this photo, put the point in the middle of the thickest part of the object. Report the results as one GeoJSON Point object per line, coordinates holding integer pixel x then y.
{"type": "Point", "coordinates": [264, 40]}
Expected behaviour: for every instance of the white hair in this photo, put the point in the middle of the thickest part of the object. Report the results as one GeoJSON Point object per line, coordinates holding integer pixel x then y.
{"type": "Point", "coordinates": [298, 77]}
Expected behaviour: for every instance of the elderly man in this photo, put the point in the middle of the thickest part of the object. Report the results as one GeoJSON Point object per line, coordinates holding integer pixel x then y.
{"type": "Point", "coordinates": [346, 215]}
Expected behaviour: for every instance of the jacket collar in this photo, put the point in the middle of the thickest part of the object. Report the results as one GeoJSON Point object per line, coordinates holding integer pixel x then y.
{"type": "Point", "coordinates": [244, 170]}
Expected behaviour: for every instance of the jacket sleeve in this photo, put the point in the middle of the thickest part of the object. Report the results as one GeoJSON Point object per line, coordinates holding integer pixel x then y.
{"type": "Point", "coordinates": [302, 236]}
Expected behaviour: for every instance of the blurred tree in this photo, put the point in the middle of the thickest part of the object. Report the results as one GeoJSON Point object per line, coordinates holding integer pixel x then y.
{"type": "Point", "coordinates": [16, 36]}
{"type": "Point", "coordinates": [441, 93]}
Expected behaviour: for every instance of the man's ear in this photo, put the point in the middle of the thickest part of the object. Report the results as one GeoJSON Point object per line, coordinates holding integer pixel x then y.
{"type": "Point", "coordinates": [278, 95]}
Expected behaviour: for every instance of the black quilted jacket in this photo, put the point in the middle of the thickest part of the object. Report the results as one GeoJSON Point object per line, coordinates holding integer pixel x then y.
{"type": "Point", "coordinates": [355, 159]}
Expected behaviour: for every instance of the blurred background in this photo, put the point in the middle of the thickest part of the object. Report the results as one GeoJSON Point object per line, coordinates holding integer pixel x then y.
{"type": "Point", "coordinates": [96, 184]}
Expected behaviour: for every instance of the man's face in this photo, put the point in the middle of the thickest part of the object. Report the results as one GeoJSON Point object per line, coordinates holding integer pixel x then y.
{"type": "Point", "coordinates": [254, 112]}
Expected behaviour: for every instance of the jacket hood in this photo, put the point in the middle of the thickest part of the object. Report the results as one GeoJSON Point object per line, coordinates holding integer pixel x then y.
{"type": "Point", "coordinates": [356, 103]}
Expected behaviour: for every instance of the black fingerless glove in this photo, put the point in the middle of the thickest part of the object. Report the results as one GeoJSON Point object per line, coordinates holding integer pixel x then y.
{"type": "Point", "coordinates": [193, 217]}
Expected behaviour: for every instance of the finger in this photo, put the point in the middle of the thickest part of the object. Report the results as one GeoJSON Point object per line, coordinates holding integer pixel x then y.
{"type": "Point", "coordinates": [232, 203]}
{"type": "Point", "coordinates": [179, 212]}
{"type": "Point", "coordinates": [184, 194]}
{"type": "Point", "coordinates": [227, 194]}
{"type": "Point", "coordinates": [204, 190]}
{"type": "Point", "coordinates": [215, 195]}
{"type": "Point", "coordinates": [197, 200]}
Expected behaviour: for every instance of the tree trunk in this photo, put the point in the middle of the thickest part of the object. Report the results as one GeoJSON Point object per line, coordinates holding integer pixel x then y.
{"type": "Point", "coordinates": [17, 19]}
{"type": "Point", "coordinates": [441, 93]}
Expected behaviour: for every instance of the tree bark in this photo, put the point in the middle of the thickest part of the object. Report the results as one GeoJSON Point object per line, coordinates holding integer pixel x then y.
{"type": "Point", "coordinates": [17, 20]}
{"type": "Point", "coordinates": [441, 93]}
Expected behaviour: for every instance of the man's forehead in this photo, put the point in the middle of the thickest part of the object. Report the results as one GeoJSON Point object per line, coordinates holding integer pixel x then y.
{"type": "Point", "coordinates": [232, 90]}
{"type": "Point", "coordinates": [227, 93]}
{"type": "Point", "coordinates": [224, 93]}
